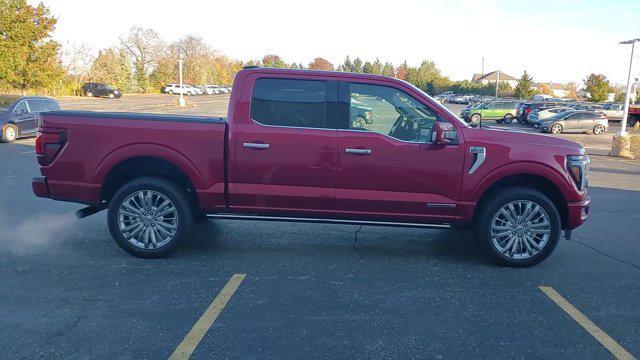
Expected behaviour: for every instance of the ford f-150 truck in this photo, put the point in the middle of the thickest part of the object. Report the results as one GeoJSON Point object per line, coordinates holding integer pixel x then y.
{"type": "Point", "coordinates": [288, 152]}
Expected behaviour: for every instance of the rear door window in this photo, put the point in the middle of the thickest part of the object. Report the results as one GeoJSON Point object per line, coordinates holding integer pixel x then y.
{"type": "Point", "coordinates": [51, 105]}
{"type": "Point", "coordinates": [287, 102]}
{"type": "Point", "coordinates": [36, 106]}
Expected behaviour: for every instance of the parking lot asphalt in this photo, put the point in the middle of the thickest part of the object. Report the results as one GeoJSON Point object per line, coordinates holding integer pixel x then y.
{"type": "Point", "coordinates": [311, 291]}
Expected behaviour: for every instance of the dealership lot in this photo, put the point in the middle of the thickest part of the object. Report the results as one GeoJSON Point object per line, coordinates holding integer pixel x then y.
{"type": "Point", "coordinates": [310, 290]}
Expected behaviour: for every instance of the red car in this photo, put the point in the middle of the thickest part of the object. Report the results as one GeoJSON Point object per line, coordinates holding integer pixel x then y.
{"type": "Point", "coordinates": [287, 152]}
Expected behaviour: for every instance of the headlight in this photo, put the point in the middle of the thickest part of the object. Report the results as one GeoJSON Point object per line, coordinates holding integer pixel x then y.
{"type": "Point", "coordinates": [577, 166]}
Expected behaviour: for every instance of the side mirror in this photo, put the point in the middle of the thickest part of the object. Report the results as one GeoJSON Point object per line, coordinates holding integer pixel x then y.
{"type": "Point", "coordinates": [444, 133]}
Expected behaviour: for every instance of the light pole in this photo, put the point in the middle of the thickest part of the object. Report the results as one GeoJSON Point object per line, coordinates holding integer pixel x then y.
{"type": "Point", "coordinates": [497, 83]}
{"type": "Point", "coordinates": [625, 113]}
{"type": "Point", "coordinates": [181, 99]}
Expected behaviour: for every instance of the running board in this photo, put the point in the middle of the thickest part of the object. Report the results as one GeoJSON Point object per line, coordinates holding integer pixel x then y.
{"type": "Point", "coordinates": [326, 221]}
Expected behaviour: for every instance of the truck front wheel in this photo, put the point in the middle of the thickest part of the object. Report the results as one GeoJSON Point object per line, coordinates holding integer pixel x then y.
{"type": "Point", "coordinates": [518, 227]}
{"type": "Point", "coordinates": [149, 217]}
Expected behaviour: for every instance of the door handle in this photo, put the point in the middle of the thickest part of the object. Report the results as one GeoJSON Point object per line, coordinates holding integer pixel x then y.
{"type": "Point", "coordinates": [255, 145]}
{"type": "Point", "coordinates": [358, 151]}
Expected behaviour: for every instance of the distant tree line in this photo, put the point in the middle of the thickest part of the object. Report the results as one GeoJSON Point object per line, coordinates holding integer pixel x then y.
{"type": "Point", "coordinates": [32, 62]}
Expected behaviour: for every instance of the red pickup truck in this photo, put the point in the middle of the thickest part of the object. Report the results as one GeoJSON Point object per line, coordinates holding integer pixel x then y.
{"type": "Point", "coordinates": [290, 151]}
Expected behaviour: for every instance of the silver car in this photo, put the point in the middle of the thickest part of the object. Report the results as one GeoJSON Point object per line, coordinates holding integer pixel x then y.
{"type": "Point", "coordinates": [575, 121]}
{"type": "Point", "coordinates": [544, 113]}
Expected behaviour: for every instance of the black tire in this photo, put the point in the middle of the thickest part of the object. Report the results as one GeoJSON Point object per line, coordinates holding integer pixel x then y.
{"type": "Point", "coordinates": [508, 119]}
{"type": "Point", "coordinates": [556, 129]}
{"type": "Point", "coordinates": [475, 119]}
{"type": "Point", "coordinates": [499, 121]}
{"type": "Point", "coordinates": [491, 207]}
{"type": "Point", "coordinates": [9, 134]}
{"type": "Point", "coordinates": [170, 190]}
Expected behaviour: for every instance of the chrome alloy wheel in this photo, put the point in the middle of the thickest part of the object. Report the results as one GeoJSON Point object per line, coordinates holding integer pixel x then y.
{"type": "Point", "coordinates": [148, 219]}
{"type": "Point", "coordinates": [10, 134]}
{"type": "Point", "coordinates": [520, 229]}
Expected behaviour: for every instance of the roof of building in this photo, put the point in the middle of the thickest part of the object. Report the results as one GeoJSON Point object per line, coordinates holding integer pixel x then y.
{"type": "Point", "coordinates": [493, 76]}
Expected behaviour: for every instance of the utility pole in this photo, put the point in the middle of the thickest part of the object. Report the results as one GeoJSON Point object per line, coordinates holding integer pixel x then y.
{"type": "Point", "coordinates": [497, 83]}
{"type": "Point", "coordinates": [181, 99]}
{"type": "Point", "coordinates": [625, 113]}
{"type": "Point", "coordinates": [482, 71]}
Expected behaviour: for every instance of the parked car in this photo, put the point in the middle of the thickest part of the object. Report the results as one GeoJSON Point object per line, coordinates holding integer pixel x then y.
{"type": "Point", "coordinates": [527, 108]}
{"type": "Point", "coordinates": [501, 111]}
{"type": "Point", "coordinates": [575, 121]}
{"type": "Point", "coordinates": [178, 89]}
{"type": "Point", "coordinates": [613, 111]}
{"type": "Point", "coordinates": [100, 90]}
{"type": "Point", "coordinates": [19, 118]}
{"type": "Point", "coordinates": [588, 107]}
{"type": "Point", "coordinates": [287, 153]}
{"type": "Point", "coordinates": [545, 113]}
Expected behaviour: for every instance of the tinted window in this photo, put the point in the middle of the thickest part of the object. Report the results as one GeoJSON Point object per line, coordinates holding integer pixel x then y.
{"type": "Point", "coordinates": [36, 105]}
{"type": "Point", "coordinates": [51, 105]}
{"type": "Point", "coordinates": [391, 112]}
{"type": "Point", "coordinates": [284, 102]}
{"type": "Point", "coordinates": [21, 107]}
{"type": "Point", "coordinates": [591, 115]}
{"type": "Point", "coordinates": [575, 116]}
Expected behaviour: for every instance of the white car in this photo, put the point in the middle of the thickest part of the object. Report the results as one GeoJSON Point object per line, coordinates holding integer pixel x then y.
{"type": "Point", "coordinates": [219, 89]}
{"type": "Point", "coordinates": [538, 115]}
{"type": "Point", "coordinates": [178, 89]}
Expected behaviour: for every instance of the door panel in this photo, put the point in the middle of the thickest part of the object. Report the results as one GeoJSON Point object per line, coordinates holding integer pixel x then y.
{"type": "Point", "coordinates": [387, 170]}
{"type": "Point", "coordinates": [285, 148]}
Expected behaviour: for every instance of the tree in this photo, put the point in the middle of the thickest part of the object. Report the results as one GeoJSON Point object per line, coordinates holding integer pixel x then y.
{"type": "Point", "coordinates": [598, 87]}
{"type": "Point", "coordinates": [427, 77]}
{"type": "Point", "coordinates": [388, 69]}
{"type": "Point", "coordinates": [112, 66]}
{"type": "Point", "coordinates": [347, 65]}
{"type": "Point", "coordinates": [274, 61]}
{"type": "Point", "coordinates": [571, 90]}
{"type": "Point", "coordinates": [320, 64]}
{"type": "Point", "coordinates": [143, 45]}
{"type": "Point", "coordinates": [620, 97]}
{"type": "Point", "coordinates": [377, 67]}
{"type": "Point", "coordinates": [401, 71]}
{"type": "Point", "coordinates": [523, 89]}
{"type": "Point", "coordinates": [76, 60]}
{"type": "Point", "coordinates": [28, 57]}
{"type": "Point", "coordinates": [357, 65]}
{"type": "Point", "coordinates": [544, 88]}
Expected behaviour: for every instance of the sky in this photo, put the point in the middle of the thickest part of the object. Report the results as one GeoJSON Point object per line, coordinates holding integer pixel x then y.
{"type": "Point", "coordinates": [558, 41]}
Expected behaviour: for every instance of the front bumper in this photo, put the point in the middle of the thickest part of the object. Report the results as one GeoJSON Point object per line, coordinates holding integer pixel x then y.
{"type": "Point", "coordinates": [577, 213]}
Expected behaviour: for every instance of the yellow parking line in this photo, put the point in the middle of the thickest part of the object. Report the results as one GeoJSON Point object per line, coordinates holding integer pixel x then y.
{"type": "Point", "coordinates": [618, 351]}
{"type": "Point", "coordinates": [188, 345]}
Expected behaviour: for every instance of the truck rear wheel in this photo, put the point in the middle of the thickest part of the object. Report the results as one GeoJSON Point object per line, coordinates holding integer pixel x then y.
{"type": "Point", "coordinates": [518, 227]}
{"type": "Point", "coordinates": [149, 217]}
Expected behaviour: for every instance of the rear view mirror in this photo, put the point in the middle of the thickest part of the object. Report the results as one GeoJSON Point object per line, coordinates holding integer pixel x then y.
{"type": "Point", "coordinates": [444, 133]}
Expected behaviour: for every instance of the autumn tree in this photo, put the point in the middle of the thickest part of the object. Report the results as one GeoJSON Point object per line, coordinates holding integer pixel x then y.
{"type": "Point", "coordinates": [28, 57]}
{"type": "Point", "coordinates": [598, 87]}
{"type": "Point", "coordinates": [544, 88]}
{"type": "Point", "coordinates": [571, 90]}
{"type": "Point", "coordinates": [112, 66]}
{"type": "Point", "coordinates": [523, 89]}
{"type": "Point", "coordinates": [143, 45]}
{"type": "Point", "coordinates": [320, 64]}
{"type": "Point", "coordinates": [77, 59]}
{"type": "Point", "coordinates": [274, 61]}
{"type": "Point", "coordinates": [388, 69]}
{"type": "Point", "coordinates": [401, 71]}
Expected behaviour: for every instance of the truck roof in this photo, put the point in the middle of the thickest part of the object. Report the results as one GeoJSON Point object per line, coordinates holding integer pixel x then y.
{"type": "Point", "coordinates": [339, 74]}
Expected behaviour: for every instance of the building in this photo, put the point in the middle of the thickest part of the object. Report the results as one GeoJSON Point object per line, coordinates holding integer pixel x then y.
{"type": "Point", "coordinates": [491, 77]}
{"type": "Point", "coordinates": [557, 90]}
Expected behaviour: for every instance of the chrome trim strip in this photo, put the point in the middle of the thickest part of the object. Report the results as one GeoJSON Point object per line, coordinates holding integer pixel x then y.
{"type": "Point", "coordinates": [441, 205]}
{"type": "Point", "coordinates": [480, 155]}
{"type": "Point", "coordinates": [324, 221]}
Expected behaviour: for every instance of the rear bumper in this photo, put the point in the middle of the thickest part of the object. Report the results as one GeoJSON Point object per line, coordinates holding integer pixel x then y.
{"type": "Point", "coordinates": [577, 213]}
{"type": "Point", "coordinates": [40, 187]}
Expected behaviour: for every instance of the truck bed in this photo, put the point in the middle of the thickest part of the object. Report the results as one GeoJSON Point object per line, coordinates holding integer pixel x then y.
{"type": "Point", "coordinates": [97, 142]}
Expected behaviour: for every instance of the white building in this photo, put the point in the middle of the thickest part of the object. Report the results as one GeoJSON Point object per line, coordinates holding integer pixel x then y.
{"type": "Point", "coordinates": [492, 77]}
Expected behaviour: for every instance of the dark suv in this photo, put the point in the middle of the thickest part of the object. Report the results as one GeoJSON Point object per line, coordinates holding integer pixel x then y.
{"type": "Point", "coordinates": [98, 89]}
{"type": "Point", "coordinates": [19, 118]}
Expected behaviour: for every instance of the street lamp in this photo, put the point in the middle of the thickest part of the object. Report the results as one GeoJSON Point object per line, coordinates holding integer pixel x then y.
{"type": "Point", "coordinates": [623, 130]}
{"type": "Point", "coordinates": [181, 99]}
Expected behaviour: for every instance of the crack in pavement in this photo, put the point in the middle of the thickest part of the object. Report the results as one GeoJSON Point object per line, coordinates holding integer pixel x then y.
{"type": "Point", "coordinates": [605, 254]}
{"type": "Point", "coordinates": [355, 243]}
